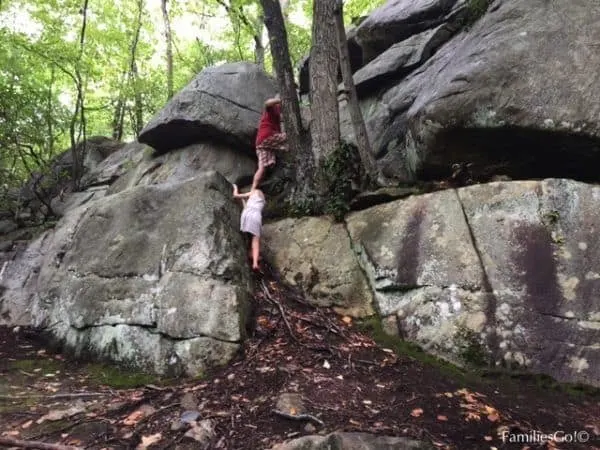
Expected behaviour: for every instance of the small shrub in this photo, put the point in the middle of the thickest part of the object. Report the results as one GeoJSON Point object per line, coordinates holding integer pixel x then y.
{"type": "Point", "coordinates": [338, 172]}
{"type": "Point", "coordinates": [475, 10]}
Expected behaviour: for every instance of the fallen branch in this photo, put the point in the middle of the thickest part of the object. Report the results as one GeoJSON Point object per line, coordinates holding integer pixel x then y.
{"type": "Point", "coordinates": [8, 442]}
{"type": "Point", "coordinates": [54, 396]}
{"type": "Point", "coordinates": [270, 298]}
{"type": "Point", "coordinates": [299, 417]}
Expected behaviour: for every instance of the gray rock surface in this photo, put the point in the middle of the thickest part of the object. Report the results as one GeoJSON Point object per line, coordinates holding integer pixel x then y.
{"type": "Point", "coordinates": [353, 441]}
{"type": "Point", "coordinates": [397, 20]}
{"type": "Point", "coordinates": [401, 59]}
{"type": "Point", "coordinates": [153, 277]}
{"type": "Point", "coordinates": [513, 95]}
{"type": "Point", "coordinates": [222, 103]}
{"type": "Point", "coordinates": [316, 254]}
{"type": "Point", "coordinates": [506, 270]}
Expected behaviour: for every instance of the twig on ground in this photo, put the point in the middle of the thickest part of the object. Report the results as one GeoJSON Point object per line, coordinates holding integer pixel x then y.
{"type": "Point", "coordinates": [55, 396]}
{"type": "Point", "coordinates": [140, 425]}
{"type": "Point", "coordinates": [299, 417]}
{"type": "Point", "coordinates": [270, 298]}
{"type": "Point", "coordinates": [8, 442]}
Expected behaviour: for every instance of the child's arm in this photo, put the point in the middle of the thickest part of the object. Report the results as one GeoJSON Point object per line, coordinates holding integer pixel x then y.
{"type": "Point", "coordinates": [272, 101]}
{"type": "Point", "coordinates": [236, 193]}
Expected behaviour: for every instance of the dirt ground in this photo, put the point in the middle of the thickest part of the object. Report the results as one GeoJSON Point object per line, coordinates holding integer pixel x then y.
{"type": "Point", "coordinates": [345, 379]}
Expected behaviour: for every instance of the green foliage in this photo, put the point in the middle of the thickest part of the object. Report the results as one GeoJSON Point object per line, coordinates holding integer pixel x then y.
{"type": "Point", "coordinates": [338, 172]}
{"type": "Point", "coordinates": [308, 206]}
{"type": "Point", "coordinates": [470, 347]}
{"type": "Point", "coordinates": [354, 10]}
{"type": "Point", "coordinates": [372, 326]}
{"type": "Point", "coordinates": [475, 10]}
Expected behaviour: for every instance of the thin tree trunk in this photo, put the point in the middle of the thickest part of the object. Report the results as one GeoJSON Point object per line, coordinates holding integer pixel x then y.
{"type": "Point", "coordinates": [49, 119]}
{"type": "Point", "coordinates": [323, 69]}
{"type": "Point", "coordinates": [134, 78]}
{"type": "Point", "coordinates": [79, 113]}
{"type": "Point", "coordinates": [119, 111]}
{"type": "Point", "coordinates": [297, 136]}
{"type": "Point", "coordinates": [169, 42]}
{"type": "Point", "coordinates": [358, 122]}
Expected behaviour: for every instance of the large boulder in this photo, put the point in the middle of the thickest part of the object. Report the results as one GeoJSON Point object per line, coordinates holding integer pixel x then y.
{"type": "Point", "coordinates": [401, 59]}
{"type": "Point", "coordinates": [186, 162]}
{"type": "Point", "coordinates": [397, 20]}
{"type": "Point", "coordinates": [499, 273]}
{"type": "Point", "coordinates": [315, 254]}
{"type": "Point", "coordinates": [514, 94]}
{"type": "Point", "coordinates": [222, 103]}
{"type": "Point", "coordinates": [154, 277]}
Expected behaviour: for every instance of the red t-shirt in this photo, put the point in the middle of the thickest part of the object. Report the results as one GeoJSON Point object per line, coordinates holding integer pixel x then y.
{"type": "Point", "coordinates": [270, 123]}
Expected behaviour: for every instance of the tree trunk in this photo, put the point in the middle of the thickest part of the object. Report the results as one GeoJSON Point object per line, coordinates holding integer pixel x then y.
{"type": "Point", "coordinates": [169, 42]}
{"type": "Point", "coordinates": [358, 122]}
{"type": "Point", "coordinates": [77, 153]}
{"type": "Point", "coordinates": [297, 136]}
{"type": "Point", "coordinates": [134, 78]}
{"type": "Point", "coordinates": [119, 111]}
{"type": "Point", "coordinates": [325, 126]}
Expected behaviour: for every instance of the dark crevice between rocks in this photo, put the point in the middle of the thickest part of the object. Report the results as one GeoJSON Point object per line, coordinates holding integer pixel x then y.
{"type": "Point", "coordinates": [151, 328]}
{"type": "Point", "coordinates": [181, 133]}
{"type": "Point", "coordinates": [492, 302]}
{"type": "Point", "coordinates": [519, 153]}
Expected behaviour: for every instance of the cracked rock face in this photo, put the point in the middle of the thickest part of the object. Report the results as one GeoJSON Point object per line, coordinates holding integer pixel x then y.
{"type": "Point", "coordinates": [508, 270]}
{"type": "Point", "coordinates": [511, 94]}
{"type": "Point", "coordinates": [222, 103]}
{"type": "Point", "coordinates": [154, 277]}
{"type": "Point", "coordinates": [315, 253]}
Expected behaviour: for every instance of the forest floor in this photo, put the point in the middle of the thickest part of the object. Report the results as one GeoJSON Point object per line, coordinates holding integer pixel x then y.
{"type": "Point", "coordinates": [345, 380]}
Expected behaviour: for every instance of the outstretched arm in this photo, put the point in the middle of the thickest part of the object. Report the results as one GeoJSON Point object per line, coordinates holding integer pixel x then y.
{"type": "Point", "coordinates": [236, 193]}
{"type": "Point", "coordinates": [272, 101]}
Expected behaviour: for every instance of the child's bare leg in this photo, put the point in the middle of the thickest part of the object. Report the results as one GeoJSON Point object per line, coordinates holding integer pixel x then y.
{"type": "Point", "coordinates": [258, 176]}
{"type": "Point", "coordinates": [255, 252]}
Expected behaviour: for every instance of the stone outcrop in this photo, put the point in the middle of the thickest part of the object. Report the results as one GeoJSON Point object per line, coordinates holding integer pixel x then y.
{"type": "Point", "coordinates": [222, 104]}
{"type": "Point", "coordinates": [354, 441]}
{"type": "Point", "coordinates": [506, 271]}
{"type": "Point", "coordinates": [154, 277]}
{"type": "Point", "coordinates": [315, 254]}
{"type": "Point", "coordinates": [397, 20]}
{"type": "Point", "coordinates": [510, 94]}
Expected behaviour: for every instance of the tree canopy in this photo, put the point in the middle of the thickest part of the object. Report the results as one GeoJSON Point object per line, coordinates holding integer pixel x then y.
{"type": "Point", "coordinates": [76, 68]}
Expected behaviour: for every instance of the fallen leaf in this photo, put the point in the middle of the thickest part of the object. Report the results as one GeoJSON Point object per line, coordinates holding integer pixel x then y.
{"type": "Point", "coordinates": [133, 418]}
{"type": "Point", "coordinates": [147, 441]}
{"type": "Point", "coordinates": [354, 422]}
{"type": "Point", "coordinates": [442, 418]}
{"type": "Point", "coordinates": [59, 414]}
{"type": "Point", "coordinates": [417, 412]}
{"type": "Point", "coordinates": [326, 364]}
{"type": "Point", "coordinates": [472, 416]}
{"type": "Point", "coordinates": [27, 424]}
{"type": "Point", "coordinates": [11, 433]}
{"type": "Point", "coordinates": [347, 320]}
{"type": "Point", "coordinates": [488, 438]}
{"type": "Point", "coordinates": [493, 417]}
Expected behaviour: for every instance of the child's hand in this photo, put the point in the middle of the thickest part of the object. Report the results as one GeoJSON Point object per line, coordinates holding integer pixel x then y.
{"type": "Point", "coordinates": [235, 189]}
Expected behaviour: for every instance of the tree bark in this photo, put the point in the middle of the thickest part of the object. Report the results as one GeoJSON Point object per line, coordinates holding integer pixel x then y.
{"type": "Point", "coordinates": [133, 73]}
{"type": "Point", "coordinates": [358, 122]}
{"type": "Point", "coordinates": [169, 42]}
{"type": "Point", "coordinates": [297, 136]}
{"type": "Point", "coordinates": [325, 126]}
{"type": "Point", "coordinates": [78, 154]}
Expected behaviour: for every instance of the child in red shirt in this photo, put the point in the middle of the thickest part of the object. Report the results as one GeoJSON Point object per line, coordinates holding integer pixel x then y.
{"type": "Point", "coordinates": [269, 138]}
